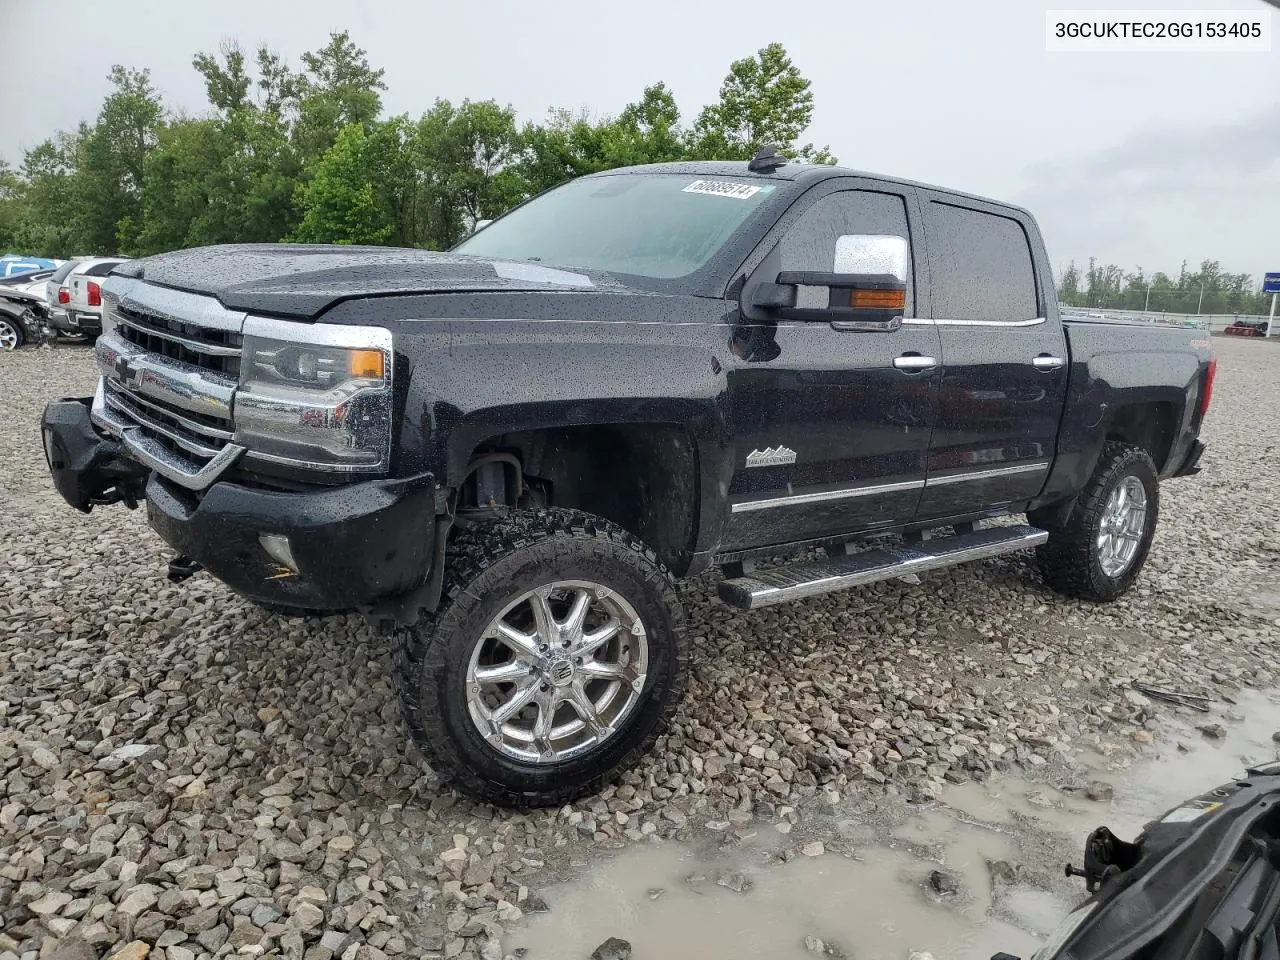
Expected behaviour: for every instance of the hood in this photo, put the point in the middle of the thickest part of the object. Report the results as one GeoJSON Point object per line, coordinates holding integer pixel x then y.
{"type": "Point", "coordinates": [299, 280]}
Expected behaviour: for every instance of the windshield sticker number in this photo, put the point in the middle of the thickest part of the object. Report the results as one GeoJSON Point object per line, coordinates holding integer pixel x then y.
{"type": "Point", "coordinates": [722, 188]}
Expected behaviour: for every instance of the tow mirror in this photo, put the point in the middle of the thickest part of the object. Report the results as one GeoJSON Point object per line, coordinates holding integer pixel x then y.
{"type": "Point", "coordinates": [866, 290]}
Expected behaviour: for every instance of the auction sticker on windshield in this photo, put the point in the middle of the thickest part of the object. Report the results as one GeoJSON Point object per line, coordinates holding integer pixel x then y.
{"type": "Point", "coordinates": [723, 188]}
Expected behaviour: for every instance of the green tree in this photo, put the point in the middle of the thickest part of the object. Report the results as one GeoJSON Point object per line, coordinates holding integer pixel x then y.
{"type": "Point", "coordinates": [337, 88]}
{"type": "Point", "coordinates": [349, 199]}
{"type": "Point", "coordinates": [111, 161]}
{"type": "Point", "coordinates": [764, 99]}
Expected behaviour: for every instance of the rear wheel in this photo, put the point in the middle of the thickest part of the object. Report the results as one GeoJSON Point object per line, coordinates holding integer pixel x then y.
{"type": "Point", "coordinates": [1097, 552]}
{"type": "Point", "coordinates": [11, 332]}
{"type": "Point", "coordinates": [557, 655]}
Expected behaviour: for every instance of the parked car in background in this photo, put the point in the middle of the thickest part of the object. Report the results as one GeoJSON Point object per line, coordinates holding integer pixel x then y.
{"type": "Point", "coordinates": [1247, 328]}
{"type": "Point", "coordinates": [84, 302]}
{"type": "Point", "coordinates": [23, 311]}
{"type": "Point", "coordinates": [74, 295]}
{"type": "Point", "coordinates": [13, 265]}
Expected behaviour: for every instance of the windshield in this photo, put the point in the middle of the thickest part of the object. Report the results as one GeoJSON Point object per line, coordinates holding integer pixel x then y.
{"type": "Point", "coordinates": [660, 226]}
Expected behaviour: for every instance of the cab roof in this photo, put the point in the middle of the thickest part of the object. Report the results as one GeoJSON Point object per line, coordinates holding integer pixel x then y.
{"type": "Point", "coordinates": [802, 174]}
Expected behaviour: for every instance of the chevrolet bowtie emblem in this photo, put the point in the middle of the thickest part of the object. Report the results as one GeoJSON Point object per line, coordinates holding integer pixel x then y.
{"type": "Point", "coordinates": [771, 457]}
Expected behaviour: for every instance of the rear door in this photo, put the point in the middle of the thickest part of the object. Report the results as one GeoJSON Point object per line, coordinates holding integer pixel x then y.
{"type": "Point", "coordinates": [830, 433]}
{"type": "Point", "coordinates": [1005, 373]}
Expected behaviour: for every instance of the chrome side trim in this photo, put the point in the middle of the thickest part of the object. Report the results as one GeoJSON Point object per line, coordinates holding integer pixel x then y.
{"type": "Point", "coordinates": [748, 506]}
{"type": "Point", "coordinates": [986, 474]}
{"type": "Point", "coordinates": [172, 382]}
{"type": "Point", "coordinates": [943, 322]}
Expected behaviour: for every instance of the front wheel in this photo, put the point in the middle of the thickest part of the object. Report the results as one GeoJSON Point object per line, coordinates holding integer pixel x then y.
{"type": "Point", "coordinates": [11, 332]}
{"type": "Point", "coordinates": [1097, 552]}
{"type": "Point", "coordinates": [557, 655]}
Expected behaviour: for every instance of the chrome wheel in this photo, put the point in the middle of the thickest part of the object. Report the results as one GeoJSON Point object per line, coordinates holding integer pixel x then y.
{"type": "Point", "coordinates": [1124, 524]}
{"type": "Point", "coordinates": [10, 338]}
{"type": "Point", "coordinates": [557, 672]}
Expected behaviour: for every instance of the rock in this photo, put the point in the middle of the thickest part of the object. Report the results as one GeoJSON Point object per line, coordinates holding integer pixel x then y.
{"type": "Point", "coordinates": [49, 904]}
{"type": "Point", "coordinates": [612, 949]}
{"type": "Point", "coordinates": [1100, 790]}
{"type": "Point", "coordinates": [135, 950]}
{"type": "Point", "coordinates": [920, 955]}
{"type": "Point", "coordinates": [943, 884]}
{"type": "Point", "coordinates": [214, 937]}
{"type": "Point", "coordinates": [45, 758]}
{"type": "Point", "coordinates": [134, 751]}
{"type": "Point", "coordinates": [73, 948]}
{"type": "Point", "coordinates": [140, 898]}
{"type": "Point", "coordinates": [814, 945]}
{"type": "Point", "coordinates": [1002, 871]}
{"type": "Point", "coordinates": [307, 916]}
{"type": "Point", "coordinates": [178, 952]}
{"type": "Point", "coordinates": [1214, 731]}
{"type": "Point", "coordinates": [1142, 736]}
{"type": "Point", "coordinates": [815, 848]}
{"type": "Point", "coordinates": [655, 893]}
{"type": "Point", "coordinates": [737, 882]}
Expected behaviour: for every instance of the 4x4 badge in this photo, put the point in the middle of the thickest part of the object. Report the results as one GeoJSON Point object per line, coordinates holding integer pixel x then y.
{"type": "Point", "coordinates": [771, 457]}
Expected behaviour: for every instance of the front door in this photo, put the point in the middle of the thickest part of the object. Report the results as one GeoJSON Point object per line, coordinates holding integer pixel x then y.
{"type": "Point", "coordinates": [831, 427]}
{"type": "Point", "coordinates": [1005, 372]}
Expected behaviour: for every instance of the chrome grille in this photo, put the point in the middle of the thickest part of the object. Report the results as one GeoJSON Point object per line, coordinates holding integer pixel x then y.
{"type": "Point", "coordinates": [190, 343]}
{"type": "Point", "coordinates": [190, 433]}
{"type": "Point", "coordinates": [170, 362]}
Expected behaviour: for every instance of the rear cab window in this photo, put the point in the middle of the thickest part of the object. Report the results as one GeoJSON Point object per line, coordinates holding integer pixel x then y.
{"type": "Point", "coordinates": [61, 273]}
{"type": "Point", "coordinates": [102, 269]}
{"type": "Point", "coordinates": [981, 266]}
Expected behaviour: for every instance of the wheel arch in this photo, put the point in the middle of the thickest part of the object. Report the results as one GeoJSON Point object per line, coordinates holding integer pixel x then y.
{"type": "Point", "coordinates": [643, 476]}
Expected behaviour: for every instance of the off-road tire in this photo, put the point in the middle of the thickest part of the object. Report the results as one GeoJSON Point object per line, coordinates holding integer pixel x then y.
{"type": "Point", "coordinates": [486, 568]}
{"type": "Point", "coordinates": [1069, 561]}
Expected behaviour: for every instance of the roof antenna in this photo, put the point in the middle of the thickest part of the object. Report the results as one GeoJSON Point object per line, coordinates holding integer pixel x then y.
{"type": "Point", "coordinates": [767, 159]}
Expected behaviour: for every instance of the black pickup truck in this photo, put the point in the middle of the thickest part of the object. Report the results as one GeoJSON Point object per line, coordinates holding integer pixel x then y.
{"type": "Point", "coordinates": [508, 452]}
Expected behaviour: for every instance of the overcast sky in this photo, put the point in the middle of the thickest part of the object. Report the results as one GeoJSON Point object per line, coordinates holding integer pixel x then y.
{"type": "Point", "coordinates": [1139, 159]}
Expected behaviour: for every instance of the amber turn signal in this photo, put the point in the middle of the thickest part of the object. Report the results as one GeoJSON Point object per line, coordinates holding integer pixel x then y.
{"type": "Point", "coordinates": [878, 299]}
{"type": "Point", "coordinates": [366, 363]}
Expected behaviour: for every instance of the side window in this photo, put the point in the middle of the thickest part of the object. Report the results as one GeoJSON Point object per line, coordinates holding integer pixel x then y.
{"type": "Point", "coordinates": [810, 244]}
{"type": "Point", "coordinates": [981, 266]}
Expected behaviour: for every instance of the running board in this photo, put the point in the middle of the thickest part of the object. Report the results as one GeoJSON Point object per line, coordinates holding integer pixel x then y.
{"type": "Point", "coordinates": [780, 584]}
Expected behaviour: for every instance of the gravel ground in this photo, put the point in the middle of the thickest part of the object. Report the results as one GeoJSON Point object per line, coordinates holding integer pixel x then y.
{"type": "Point", "coordinates": [185, 773]}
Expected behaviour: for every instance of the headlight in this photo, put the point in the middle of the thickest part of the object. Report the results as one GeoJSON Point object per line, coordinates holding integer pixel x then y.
{"type": "Point", "coordinates": [315, 395]}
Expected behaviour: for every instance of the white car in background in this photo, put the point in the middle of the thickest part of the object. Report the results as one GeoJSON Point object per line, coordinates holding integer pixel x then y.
{"type": "Point", "coordinates": [74, 295]}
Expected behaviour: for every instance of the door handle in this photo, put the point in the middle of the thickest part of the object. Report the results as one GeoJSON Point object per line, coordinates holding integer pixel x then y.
{"type": "Point", "coordinates": [914, 363]}
{"type": "Point", "coordinates": [1047, 363]}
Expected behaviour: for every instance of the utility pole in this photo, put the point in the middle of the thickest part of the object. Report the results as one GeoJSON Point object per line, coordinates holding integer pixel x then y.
{"type": "Point", "coordinates": [1271, 319]}
{"type": "Point", "coordinates": [1201, 303]}
{"type": "Point", "coordinates": [1146, 306]}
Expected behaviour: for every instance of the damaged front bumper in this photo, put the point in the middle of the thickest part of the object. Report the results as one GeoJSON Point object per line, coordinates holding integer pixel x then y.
{"type": "Point", "coordinates": [87, 469]}
{"type": "Point", "coordinates": [368, 546]}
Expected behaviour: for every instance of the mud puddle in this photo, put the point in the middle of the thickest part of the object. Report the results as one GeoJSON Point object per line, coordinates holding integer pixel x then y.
{"type": "Point", "coordinates": [976, 873]}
